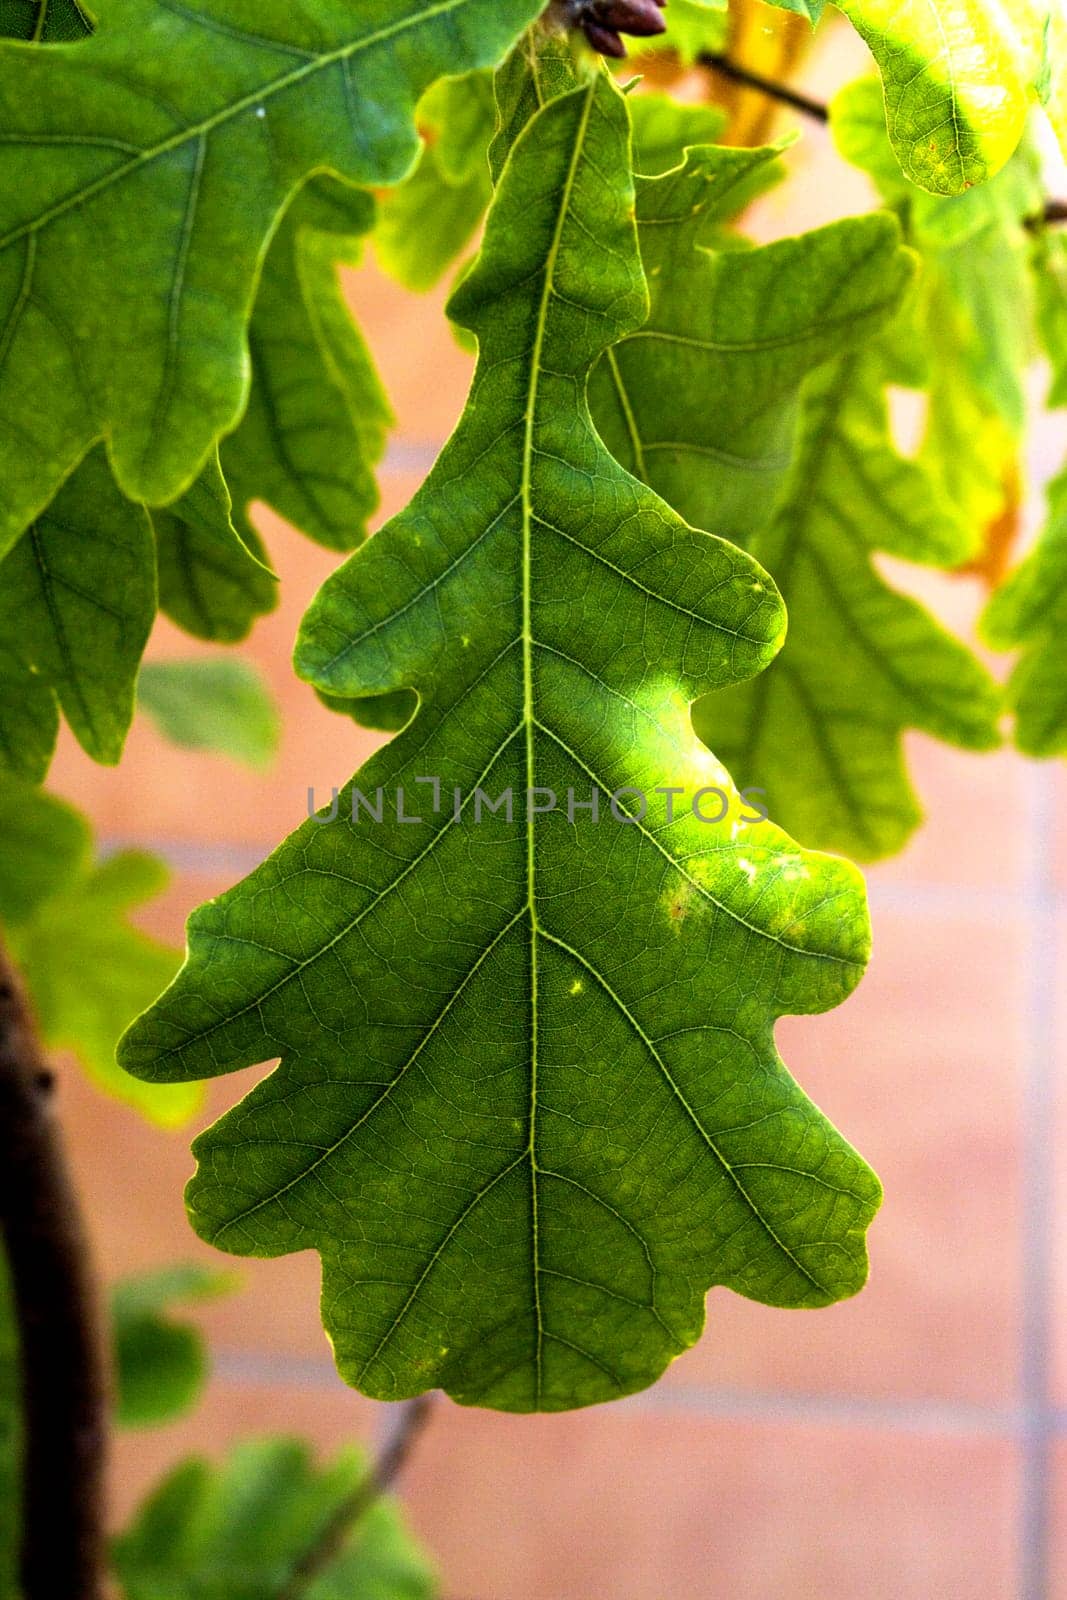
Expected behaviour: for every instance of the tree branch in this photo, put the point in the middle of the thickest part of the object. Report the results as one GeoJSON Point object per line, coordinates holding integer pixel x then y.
{"type": "Point", "coordinates": [64, 1377]}
{"type": "Point", "coordinates": [328, 1545]}
{"type": "Point", "coordinates": [726, 68]}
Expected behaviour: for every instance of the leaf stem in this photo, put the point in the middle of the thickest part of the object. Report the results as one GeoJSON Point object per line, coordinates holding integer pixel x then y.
{"type": "Point", "coordinates": [64, 1375]}
{"type": "Point", "coordinates": [413, 1419]}
{"type": "Point", "coordinates": [736, 73]}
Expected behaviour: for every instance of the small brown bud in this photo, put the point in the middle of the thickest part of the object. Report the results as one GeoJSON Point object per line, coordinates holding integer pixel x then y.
{"type": "Point", "coordinates": [604, 40]}
{"type": "Point", "coordinates": [640, 17]}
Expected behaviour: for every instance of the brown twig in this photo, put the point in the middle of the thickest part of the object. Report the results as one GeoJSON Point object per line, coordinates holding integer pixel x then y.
{"type": "Point", "coordinates": [1055, 211]}
{"type": "Point", "coordinates": [736, 73]}
{"type": "Point", "coordinates": [390, 1463]}
{"type": "Point", "coordinates": [63, 1369]}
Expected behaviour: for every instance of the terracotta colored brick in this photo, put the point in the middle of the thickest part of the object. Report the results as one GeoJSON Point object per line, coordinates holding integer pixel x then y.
{"type": "Point", "coordinates": [633, 1505]}
{"type": "Point", "coordinates": [975, 810]}
{"type": "Point", "coordinates": [425, 372]}
{"type": "Point", "coordinates": [1053, 775]}
{"type": "Point", "coordinates": [1049, 1247]}
{"type": "Point", "coordinates": [1057, 1555]}
{"type": "Point", "coordinates": [329, 1417]}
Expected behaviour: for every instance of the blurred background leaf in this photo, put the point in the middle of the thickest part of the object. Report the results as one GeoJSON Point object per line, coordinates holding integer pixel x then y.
{"type": "Point", "coordinates": [215, 703]}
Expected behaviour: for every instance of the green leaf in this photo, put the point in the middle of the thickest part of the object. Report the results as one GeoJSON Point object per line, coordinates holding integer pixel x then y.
{"type": "Point", "coordinates": [43, 21]}
{"type": "Point", "coordinates": [387, 713]}
{"type": "Point", "coordinates": [314, 428]}
{"type": "Point", "coordinates": [237, 1532]}
{"type": "Point", "coordinates": [984, 290]}
{"type": "Point", "coordinates": [936, 222]}
{"type": "Point", "coordinates": [968, 328]}
{"type": "Point", "coordinates": [88, 972]}
{"type": "Point", "coordinates": [220, 704]}
{"type": "Point", "coordinates": [142, 172]}
{"type": "Point", "coordinates": [542, 66]}
{"type": "Point", "coordinates": [969, 452]}
{"type": "Point", "coordinates": [1052, 78]}
{"type": "Point", "coordinates": [1029, 612]}
{"type": "Point", "coordinates": [213, 582]}
{"type": "Point", "coordinates": [529, 1107]}
{"type": "Point", "coordinates": [460, 116]}
{"type": "Point", "coordinates": [821, 731]}
{"type": "Point", "coordinates": [160, 1365]}
{"type": "Point", "coordinates": [1050, 269]}
{"type": "Point", "coordinates": [693, 27]}
{"type": "Point", "coordinates": [700, 402]}
{"type": "Point", "coordinates": [77, 603]}
{"type": "Point", "coordinates": [317, 417]}
{"type": "Point", "coordinates": [959, 78]}
{"type": "Point", "coordinates": [664, 128]}
{"type": "Point", "coordinates": [426, 224]}
{"type": "Point", "coordinates": [29, 719]}
{"type": "Point", "coordinates": [43, 844]}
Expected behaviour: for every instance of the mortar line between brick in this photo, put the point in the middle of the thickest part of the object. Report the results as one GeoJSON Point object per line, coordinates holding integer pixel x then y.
{"type": "Point", "coordinates": [935, 1416]}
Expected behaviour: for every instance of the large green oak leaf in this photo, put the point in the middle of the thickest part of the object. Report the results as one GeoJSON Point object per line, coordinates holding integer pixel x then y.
{"type": "Point", "coordinates": [529, 1107]}
{"type": "Point", "coordinates": [142, 173]}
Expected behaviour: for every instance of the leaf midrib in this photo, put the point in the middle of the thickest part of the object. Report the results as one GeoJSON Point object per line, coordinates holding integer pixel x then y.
{"type": "Point", "coordinates": [526, 492]}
